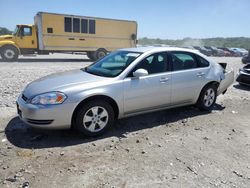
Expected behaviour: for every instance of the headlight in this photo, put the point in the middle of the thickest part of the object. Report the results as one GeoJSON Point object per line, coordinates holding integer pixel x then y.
{"type": "Point", "coordinates": [49, 98]}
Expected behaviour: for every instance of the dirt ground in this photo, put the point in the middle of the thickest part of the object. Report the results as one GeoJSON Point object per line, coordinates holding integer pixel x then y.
{"type": "Point", "coordinates": [182, 147]}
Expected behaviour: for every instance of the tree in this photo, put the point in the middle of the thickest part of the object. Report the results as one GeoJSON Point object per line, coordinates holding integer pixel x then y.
{"type": "Point", "coordinates": [5, 31]}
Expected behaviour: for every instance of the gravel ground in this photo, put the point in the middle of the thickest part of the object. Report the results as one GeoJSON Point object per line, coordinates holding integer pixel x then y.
{"type": "Point", "coordinates": [182, 147]}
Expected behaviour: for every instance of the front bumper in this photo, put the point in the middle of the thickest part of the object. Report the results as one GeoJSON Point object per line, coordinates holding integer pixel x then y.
{"type": "Point", "coordinates": [46, 116]}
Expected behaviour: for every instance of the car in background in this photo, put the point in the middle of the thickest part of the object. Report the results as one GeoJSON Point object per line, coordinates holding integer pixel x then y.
{"type": "Point", "coordinates": [216, 51]}
{"type": "Point", "coordinates": [246, 59]}
{"type": "Point", "coordinates": [204, 50]}
{"type": "Point", "coordinates": [240, 51]}
{"type": "Point", "coordinates": [244, 52]}
{"type": "Point", "coordinates": [243, 76]}
{"type": "Point", "coordinates": [228, 53]}
{"type": "Point", "coordinates": [124, 83]}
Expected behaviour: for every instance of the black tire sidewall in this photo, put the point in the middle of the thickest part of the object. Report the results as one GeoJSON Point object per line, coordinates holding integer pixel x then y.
{"type": "Point", "coordinates": [98, 52]}
{"type": "Point", "coordinates": [78, 123]}
{"type": "Point", "coordinates": [91, 56]}
{"type": "Point", "coordinates": [6, 48]}
{"type": "Point", "coordinates": [200, 102]}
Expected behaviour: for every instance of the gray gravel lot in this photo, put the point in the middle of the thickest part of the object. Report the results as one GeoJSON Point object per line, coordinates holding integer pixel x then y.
{"type": "Point", "coordinates": [181, 147]}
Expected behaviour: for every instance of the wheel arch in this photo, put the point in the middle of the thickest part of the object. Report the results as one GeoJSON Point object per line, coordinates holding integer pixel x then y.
{"type": "Point", "coordinates": [106, 98]}
{"type": "Point", "coordinates": [4, 44]}
{"type": "Point", "coordinates": [216, 83]}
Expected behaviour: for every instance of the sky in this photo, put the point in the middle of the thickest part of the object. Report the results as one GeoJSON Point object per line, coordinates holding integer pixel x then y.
{"type": "Point", "coordinates": [165, 19]}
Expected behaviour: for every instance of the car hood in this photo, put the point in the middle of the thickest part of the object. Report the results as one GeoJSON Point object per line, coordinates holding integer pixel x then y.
{"type": "Point", "coordinates": [6, 37]}
{"type": "Point", "coordinates": [60, 82]}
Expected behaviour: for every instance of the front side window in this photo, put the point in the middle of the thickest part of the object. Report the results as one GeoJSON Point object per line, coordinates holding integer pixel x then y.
{"type": "Point", "coordinates": [156, 63]}
{"type": "Point", "coordinates": [183, 61]}
{"type": "Point", "coordinates": [113, 64]}
{"type": "Point", "coordinates": [26, 31]}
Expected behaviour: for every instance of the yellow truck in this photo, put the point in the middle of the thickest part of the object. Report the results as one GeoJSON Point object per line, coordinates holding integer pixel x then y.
{"type": "Point", "coordinates": [60, 33]}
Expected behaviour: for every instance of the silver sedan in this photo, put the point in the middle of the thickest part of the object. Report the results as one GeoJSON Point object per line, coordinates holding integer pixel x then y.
{"type": "Point", "coordinates": [126, 82]}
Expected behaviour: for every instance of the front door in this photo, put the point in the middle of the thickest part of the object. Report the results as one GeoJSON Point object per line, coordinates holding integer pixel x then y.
{"type": "Point", "coordinates": [151, 91]}
{"type": "Point", "coordinates": [26, 37]}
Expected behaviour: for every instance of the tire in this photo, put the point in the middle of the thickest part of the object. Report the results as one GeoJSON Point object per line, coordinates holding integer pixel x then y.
{"type": "Point", "coordinates": [89, 120]}
{"type": "Point", "coordinates": [99, 54]}
{"type": "Point", "coordinates": [9, 53]}
{"type": "Point", "coordinates": [207, 98]}
{"type": "Point", "coordinates": [91, 56]}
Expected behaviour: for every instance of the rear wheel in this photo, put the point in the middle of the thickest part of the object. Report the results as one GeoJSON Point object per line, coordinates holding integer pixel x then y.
{"type": "Point", "coordinates": [94, 118]}
{"type": "Point", "coordinates": [9, 53]}
{"type": "Point", "coordinates": [100, 53]}
{"type": "Point", "coordinates": [96, 55]}
{"type": "Point", "coordinates": [91, 56]}
{"type": "Point", "coordinates": [207, 97]}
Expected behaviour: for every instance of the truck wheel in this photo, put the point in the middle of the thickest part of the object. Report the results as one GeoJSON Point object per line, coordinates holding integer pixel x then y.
{"type": "Point", "coordinates": [94, 118]}
{"type": "Point", "coordinates": [9, 53]}
{"type": "Point", "coordinates": [100, 53]}
{"type": "Point", "coordinates": [91, 56]}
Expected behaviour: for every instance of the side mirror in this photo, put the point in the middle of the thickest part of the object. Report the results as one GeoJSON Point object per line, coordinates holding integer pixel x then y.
{"type": "Point", "coordinates": [140, 72]}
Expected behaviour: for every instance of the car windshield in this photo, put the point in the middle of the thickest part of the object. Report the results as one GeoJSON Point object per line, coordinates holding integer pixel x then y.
{"type": "Point", "coordinates": [16, 30]}
{"type": "Point", "coordinates": [113, 64]}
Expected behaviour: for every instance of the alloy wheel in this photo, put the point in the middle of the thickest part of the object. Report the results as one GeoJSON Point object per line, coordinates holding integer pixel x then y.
{"type": "Point", "coordinates": [209, 97]}
{"type": "Point", "coordinates": [95, 119]}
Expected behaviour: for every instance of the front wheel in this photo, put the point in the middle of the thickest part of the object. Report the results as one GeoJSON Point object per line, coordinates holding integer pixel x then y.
{"type": "Point", "coordinates": [207, 97]}
{"type": "Point", "coordinates": [9, 53]}
{"type": "Point", "coordinates": [94, 118]}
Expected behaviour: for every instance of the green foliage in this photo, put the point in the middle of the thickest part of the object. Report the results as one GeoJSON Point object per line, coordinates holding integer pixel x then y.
{"type": "Point", "coordinates": [237, 42]}
{"type": "Point", "coordinates": [5, 31]}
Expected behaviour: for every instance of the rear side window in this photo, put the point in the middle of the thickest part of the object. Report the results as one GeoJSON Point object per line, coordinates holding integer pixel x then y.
{"type": "Point", "coordinates": [183, 61]}
{"type": "Point", "coordinates": [68, 24]}
{"type": "Point", "coordinates": [76, 25]}
{"type": "Point", "coordinates": [202, 62]}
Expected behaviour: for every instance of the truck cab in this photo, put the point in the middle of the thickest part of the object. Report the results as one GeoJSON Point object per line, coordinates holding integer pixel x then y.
{"type": "Point", "coordinates": [22, 41]}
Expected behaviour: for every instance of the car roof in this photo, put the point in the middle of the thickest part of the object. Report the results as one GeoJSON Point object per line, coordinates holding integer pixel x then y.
{"type": "Point", "coordinates": [158, 49]}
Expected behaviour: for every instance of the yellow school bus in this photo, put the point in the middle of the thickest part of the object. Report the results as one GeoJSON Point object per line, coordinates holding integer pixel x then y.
{"type": "Point", "coordinates": [69, 33]}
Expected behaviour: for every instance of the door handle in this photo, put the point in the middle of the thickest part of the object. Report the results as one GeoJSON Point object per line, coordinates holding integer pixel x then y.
{"type": "Point", "coordinates": [164, 80]}
{"type": "Point", "coordinates": [200, 74]}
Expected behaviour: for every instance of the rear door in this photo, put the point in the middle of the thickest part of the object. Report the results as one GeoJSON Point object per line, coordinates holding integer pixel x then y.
{"type": "Point", "coordinates": [189, 73]}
